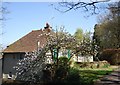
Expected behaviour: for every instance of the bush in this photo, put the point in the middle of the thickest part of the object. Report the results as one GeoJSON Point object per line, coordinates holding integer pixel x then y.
{"type": "Point", "coordinates": [63, 74]}
{"type": "Point", "coordinates": [73, 76]}
{"type": "Point", "coordinates": [111, 55]}
{"type": "Point", "coordinates": [57, 72]}
{"type": "Point", "coordinates": [62, 68]}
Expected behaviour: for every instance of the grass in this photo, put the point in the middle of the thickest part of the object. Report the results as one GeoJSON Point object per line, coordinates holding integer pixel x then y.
{"type": "Point", "coordinates": [88, 76]}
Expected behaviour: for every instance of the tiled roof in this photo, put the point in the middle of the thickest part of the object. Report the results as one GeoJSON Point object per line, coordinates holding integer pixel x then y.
{"type": "Point", "coordinates": [28, 43]}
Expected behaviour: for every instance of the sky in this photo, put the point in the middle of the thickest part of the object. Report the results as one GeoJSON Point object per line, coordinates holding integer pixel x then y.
{"type": "Point", "coordinates": [53, 0]}
{"type": "Point", "coordinates": [27, 16]}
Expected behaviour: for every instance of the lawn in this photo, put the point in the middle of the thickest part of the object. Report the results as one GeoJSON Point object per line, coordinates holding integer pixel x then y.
{"type": "Point", "coordinates": [88, 76]}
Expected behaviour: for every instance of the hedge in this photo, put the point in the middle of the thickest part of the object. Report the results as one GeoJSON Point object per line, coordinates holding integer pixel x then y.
{"type": "Point", "coordinates": [111, 55]}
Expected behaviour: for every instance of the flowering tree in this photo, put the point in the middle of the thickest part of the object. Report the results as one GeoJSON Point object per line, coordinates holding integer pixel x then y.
{"type": "Point", "coordinates": [86, 45]}
{"type": "Point", "coordinates": [30, 68]}
{"type": "Point", "coordinates": [34, 67]}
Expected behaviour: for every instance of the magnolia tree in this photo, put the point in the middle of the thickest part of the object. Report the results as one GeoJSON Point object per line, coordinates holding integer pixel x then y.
{"type": "Point", "coordinates": [34, 67]}
{"type": "Point", "coordinates": [85, 47]}
{"type": "Point", "coordinates": [30, 68]}
{"type": "Point", "coordinates": [86, 44]}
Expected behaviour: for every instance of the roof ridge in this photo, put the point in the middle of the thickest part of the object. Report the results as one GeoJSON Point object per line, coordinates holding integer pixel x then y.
{"type": "Point", "coordinates": [37, 30]}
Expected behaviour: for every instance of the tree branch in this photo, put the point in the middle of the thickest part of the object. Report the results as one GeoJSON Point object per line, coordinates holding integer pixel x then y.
{"type": "Point", "coordinates": [77, 5]}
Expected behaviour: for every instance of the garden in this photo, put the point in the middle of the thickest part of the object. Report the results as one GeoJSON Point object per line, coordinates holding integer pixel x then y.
{"type": "Point", "coordinates": [34, 69]}
{"type": "Point", "coordinates": [63, 74]}
{"type": "Point", "coordinates": [103, 44]}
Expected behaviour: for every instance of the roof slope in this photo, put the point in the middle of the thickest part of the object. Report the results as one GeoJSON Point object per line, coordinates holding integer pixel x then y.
{"type": "Point", "coordinates": [28, 43]}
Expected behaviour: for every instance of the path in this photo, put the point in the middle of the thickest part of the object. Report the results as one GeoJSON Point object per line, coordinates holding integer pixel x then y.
{"type": "Point", "coordinates": [111, 79]}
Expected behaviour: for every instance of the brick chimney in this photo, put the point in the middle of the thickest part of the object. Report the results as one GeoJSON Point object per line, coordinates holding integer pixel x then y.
{"type": "Point", "coordinates": [48, 28]}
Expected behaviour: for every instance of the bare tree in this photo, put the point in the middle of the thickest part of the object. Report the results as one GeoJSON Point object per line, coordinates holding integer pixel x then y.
{"type": "Point", "coordinates": [91, 5]}
{"type": "Point", "coordinates": [3, 11]}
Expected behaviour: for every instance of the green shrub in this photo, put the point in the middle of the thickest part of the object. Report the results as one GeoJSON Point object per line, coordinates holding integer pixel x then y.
{"type": "Point", "coordinates": [61, 70]}
{"type": "Point", "coordinates": [73, 76]}
{"type": "Point", "coordinates": [63, 61]}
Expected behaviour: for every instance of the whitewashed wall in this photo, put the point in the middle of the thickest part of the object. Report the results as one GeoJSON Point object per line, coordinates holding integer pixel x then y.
{"type": "Point", "coordinates": [83, 58]}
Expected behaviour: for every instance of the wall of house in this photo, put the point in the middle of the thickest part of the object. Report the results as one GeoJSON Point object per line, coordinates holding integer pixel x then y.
{"type": "Point", "coordinates": [9, 61]}
{"type": "Point", "coordinates": [83, 58]}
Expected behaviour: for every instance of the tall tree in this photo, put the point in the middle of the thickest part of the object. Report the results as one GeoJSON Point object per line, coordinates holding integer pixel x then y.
{"type": "Point", "coordinates": [85, 44]}
{"type": "Point", "coordinates": [107, 31]}
{"type": "Point", "coordinates": [79, 35]}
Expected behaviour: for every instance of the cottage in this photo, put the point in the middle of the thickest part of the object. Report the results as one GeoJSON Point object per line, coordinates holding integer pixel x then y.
{"type": "Point", "coordinates": [16, 51]}
{"type": "Point", "coordinates": [29, 43]}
